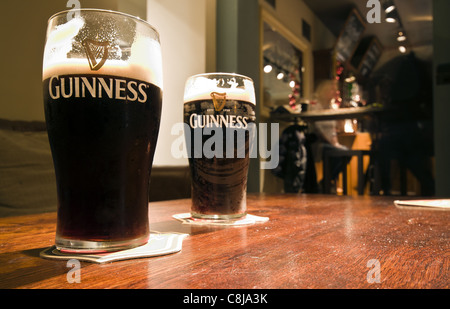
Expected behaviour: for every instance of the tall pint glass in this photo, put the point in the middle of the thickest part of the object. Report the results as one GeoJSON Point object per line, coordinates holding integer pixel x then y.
{"type": "Point", "coordinates": [219, 117]}
{"type": "Point", "coordinates": [102, 85]}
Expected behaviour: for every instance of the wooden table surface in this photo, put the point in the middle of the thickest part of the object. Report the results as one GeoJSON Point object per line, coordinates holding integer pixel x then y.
{"type": "Point", "coordinates": [310, 241]}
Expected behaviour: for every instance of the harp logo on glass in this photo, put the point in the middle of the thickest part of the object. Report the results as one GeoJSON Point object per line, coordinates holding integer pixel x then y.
{"type": "Point", "coordinates": [96, 52]}
{"type": "Point", "coordinates": [219, 99]}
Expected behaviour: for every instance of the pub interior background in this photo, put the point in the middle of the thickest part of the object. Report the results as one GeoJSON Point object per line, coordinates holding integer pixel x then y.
{"type": "Point", "coordinates": [307, 40]}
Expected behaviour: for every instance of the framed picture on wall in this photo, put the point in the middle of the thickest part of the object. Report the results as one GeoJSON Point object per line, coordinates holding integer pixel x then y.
{"type": "Point", "coordinates": [370, 57]}
{"type": "Point", "coordinates": [350, 36]}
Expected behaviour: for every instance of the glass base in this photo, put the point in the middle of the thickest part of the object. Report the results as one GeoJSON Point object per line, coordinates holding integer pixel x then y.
{"type": "Point", "coordinates": [82, 246]}
{"type": "Point", "coordinates": [226, 217]}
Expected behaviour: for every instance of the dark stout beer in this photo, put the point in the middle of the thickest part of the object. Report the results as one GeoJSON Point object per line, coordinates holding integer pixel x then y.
{"type": "Point", "coordinates": [103, 149]}
{"type": "Point", "coordinates": [103, 140]}
{"type": "Point", "coordinates": [223, 121]}
{"type": "Point", "coordinates": [102, 85]}
{"type": "Point", "coordinates": [219, 183]}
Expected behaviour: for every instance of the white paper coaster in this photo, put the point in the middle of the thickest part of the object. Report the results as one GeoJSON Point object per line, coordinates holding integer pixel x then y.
{"type": "Point", "coordinates": [158, 244]}
{"type": "Point", "coordinates": [186, 218]}
{"type": "Point", "coordinates": [433, 203]}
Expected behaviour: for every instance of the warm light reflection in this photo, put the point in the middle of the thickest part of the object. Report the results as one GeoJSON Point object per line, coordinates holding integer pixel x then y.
{"type": "Point", "coordinates": [348, 126]}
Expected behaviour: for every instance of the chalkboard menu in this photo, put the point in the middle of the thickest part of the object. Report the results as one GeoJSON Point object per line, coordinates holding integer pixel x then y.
{"type": "Point", "coordinates": [366, 56]}
{"type": "Point", "coordinates": [370, 58]}
{"type": "Point", "coordinates": [350, 36]}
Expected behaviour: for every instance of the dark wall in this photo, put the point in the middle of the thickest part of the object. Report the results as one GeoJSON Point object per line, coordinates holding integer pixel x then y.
{"type": "Point", "coordinates": [441, 37]}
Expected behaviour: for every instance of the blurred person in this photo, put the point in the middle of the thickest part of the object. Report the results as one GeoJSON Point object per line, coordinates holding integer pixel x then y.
{"type": "Point", "coordinates": [326, 130]}
{"type": "Point", "coordinates": [404, 87]}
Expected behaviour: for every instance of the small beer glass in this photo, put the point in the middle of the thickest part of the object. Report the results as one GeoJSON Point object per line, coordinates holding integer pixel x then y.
{"type": "Point", "coordinates": [219, 120]}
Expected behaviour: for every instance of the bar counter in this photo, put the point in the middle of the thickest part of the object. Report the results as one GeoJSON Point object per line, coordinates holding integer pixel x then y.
{"type": "Point", "coordinates": [333, 114]}
{"type": "Point", "coordinates": [309, 242]}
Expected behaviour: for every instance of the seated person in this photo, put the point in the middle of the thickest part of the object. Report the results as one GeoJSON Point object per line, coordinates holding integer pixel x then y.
{"type": "Point", "coordinates": [326, 130]}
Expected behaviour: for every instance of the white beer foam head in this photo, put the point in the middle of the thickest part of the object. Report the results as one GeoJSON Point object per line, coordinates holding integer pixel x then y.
{"type": "Point", "coordinates": [200, 87]}
{"type": "Point", "coordinates": [112, 67]}
{"type": "Point", "coordinates": [145, 62]}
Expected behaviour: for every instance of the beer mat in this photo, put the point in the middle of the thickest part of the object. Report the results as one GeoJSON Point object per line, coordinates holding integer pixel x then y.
{"type": "Point", "coordinates": [248, 219]}
{"type": "Point", "coordinates": [438, 203]}
{"type": "Point", "coordinates": [158, 244]}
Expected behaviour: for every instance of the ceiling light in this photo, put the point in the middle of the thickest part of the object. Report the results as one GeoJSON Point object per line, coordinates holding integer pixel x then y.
{"type": "Point", "coordinates": [280, 75]}
{"type": "Point", "coordinates": [389, 8]}
{"type": "Point", "coordinates": [402, 49]}
{"type": "Point", "coordinates": [390, 19]}
{"type": "Point", "coordinates": [292, 84]}
{"type": "Point", "coordinates": [401, 37]}
{"type": "Point", "coordinates": [268, 68]}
